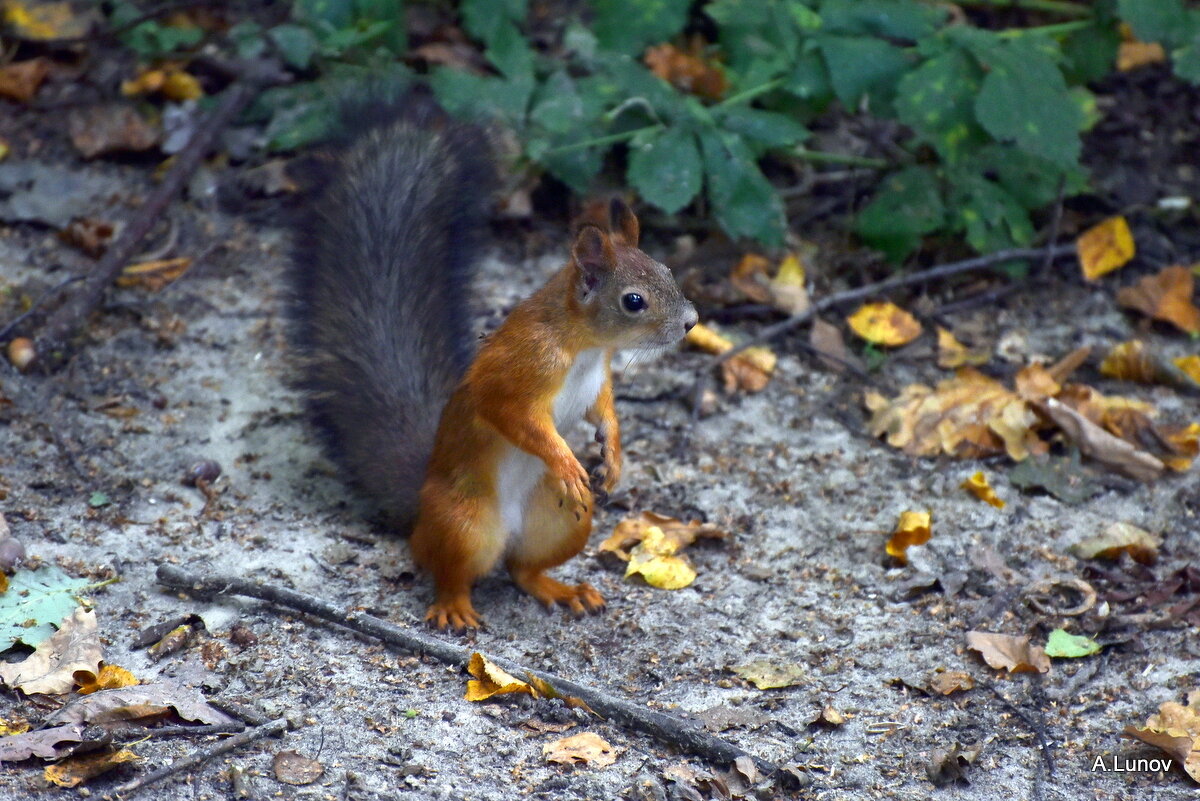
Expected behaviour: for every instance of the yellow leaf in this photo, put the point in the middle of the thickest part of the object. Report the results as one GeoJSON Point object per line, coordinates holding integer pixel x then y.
{"type": "Point", "coordinates": [181, 85]}
{"type": "Point", "coordinates": [490, 680]}
{"type": "Point", "coordinates": [1186, 444]}
{"type": "Point", "coordinates": [914, 528]}
{"type": "Point", "coordinates": [73, 771]}
{"type": "Point", "coordinates": [1105, 247]}
{"type": "Point", "coordinates": [15, 726]}
{"type": "Point", "coordinates": [1176, 730]}
{"type": "Point", "coordinates": [110, 677]}
{"type": "Point", "coordinates": [1131, 55]}
{"type": "Point", "coordinates": [581, 749]}
{"type": "Point", "coordinates": [978, 486]}
{"type": "Point", "coordinates": [45, 21]}
{"type": "Point", "coordinates": [1166, 296]}
{"type": "Point", "coordinates": [707, 340]}
{"type": "Point", "coordinates": [1190, 365]}
{"type": "Point", "coordinates": [953, 354]}
{"type": "Point", "coordinates": [885, 324]}
{"type": "Point", "coordinates": [788, 292]}
{"type": "Point", "coordinates": [654, 560]}
{"type": "Point", "coordinates": [632, 530]}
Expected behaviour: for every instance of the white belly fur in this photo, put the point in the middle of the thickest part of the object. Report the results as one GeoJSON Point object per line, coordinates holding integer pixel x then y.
{"type": "Point", "coordinates": [519, 471]}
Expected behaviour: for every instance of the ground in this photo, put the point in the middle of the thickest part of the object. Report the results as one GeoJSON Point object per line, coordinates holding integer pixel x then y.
{"type": "Point", "coordinates": [200, 371]}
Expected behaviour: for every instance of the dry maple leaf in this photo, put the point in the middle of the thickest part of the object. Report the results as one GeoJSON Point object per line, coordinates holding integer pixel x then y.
{"type": "Point", "coordinates": [50, 668]}
{"type": "Point", "coordinates": [76, 770]}
{"type": "Point", "coordinates": [1176, 730]}
{"type": "Point", "coordinates": [951, 681]}
{"type": "Point", "coordinates": [913, 528]}
{"type": "Point", "coordinates": [1008, 652]}
{"type": "Point", "coordinates": [580, 749]}
{"type": "Point", "coordinates": [978, 486]}
{"type": "Point", "coordinates": [1105, 247]}
{"type": "Point", "coordinates": [1166, 296]}
{"type": "Point", "coordinates": [884, 324]}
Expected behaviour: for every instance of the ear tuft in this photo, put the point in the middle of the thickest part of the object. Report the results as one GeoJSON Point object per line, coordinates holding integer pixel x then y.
{"type": "Point", "coordinates": [593, 254]}
{"type": "Point", "coordinates": [623, 223]}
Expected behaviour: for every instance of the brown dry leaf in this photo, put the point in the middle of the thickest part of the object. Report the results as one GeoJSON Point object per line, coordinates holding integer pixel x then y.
{"type": "Point", "coordinates": [1105, 247]}
{"type": "Point", "coordinates": [750, 277]}
{"type": "Point", "coordinates": [788, 291]}
{"type": "Point", "coordinates": [1007, 652]}
{"type": "Point", "coordinates": [767, 675]}
{"type": "Point", "coordinates": [826, 339]}
{"type": "Point", "coordinates": [829, 717]}
{"type": "Point", "coordinates": [687, 71]}
{"type": "Point", "coordinates": [1176, 730]}
{"type": "Point", "coordinates": [953, 354]}
{"type": "Point", "coordinates": [1034, 383]}
{"type": "Point", "coordinates": [655, 561]}
{"type": "Point", "coordinates": [913, 528]}
{"type": "Point", "coordinates": [1166, 296]}
{"type": "Point", "coordinates": [491, 680]}
{"type": "Point", "coordinates": [74, 771]}
{"type": "Point", "coordinates": [1131, 55]}
{"type": "Point", "coordinates": [1186, 444]}
{"type": "Point", "coordinates": [884, 324]}
{"type": "Point", "coordinates": [89, 235]}
{"type": "Point", "coordinates": [50, 668]}
{"type": "Point", "coordinates": [1117, 539]}
{"type": "Point", "coordinates": [154, 275]}
{"type": "Point", "coordinates": [1095, 442]}
{"type": "Point", "coordinates": [707, 339]}
{"type": "Point", "coordinates": [750, 370]}
{"type": "Point", "coordinates": [110, 677]}
{"type": "Point", "coordinates": [581, 749]}
{"type": "Point", "coordinates": [978, 486]}
{"type": "Point", "coordinates": [139, 701]}
{"type": "Point", "coordinates": [1134, 361]}
{"type": "Point", "coordinates": [951, 681]}
{"type": "Point", "coordinates": [39, 743]}
{"type": "Point", "coordinates": [294, 768]}
{"type": "Point", "coordinates": [40, 22]}
{"type": "Point", "coordinates": [632, 530]}
{"type": "Point", "coordinates": [109, 128]}
{"type": "Point", "coordinates": [20, 80]}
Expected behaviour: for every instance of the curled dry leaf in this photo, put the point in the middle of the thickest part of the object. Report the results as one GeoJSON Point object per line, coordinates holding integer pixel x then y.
{"type": "Point", "coordinates": [1095, 442]}
{"type": "Point", "coordinates": [750, 370]}
{"type": "Point", "coordinates": [1176, 730]}
{"type": "Point", "coordinates": [21, 80]}
{"type": "Point", "coordinates": [767, 675]}
{"type": "Point", "coordinates": [110, 677]}
{"type": "Point", "coordinates": [1166, 296]}
{"type": "Point", "coordinates": [292, 767]}
{"type": "Point", "coordinates": [50, 668]}
{"type": "Point", "coordinates": [953, 354]}
{"type": "Point", "coordinates": [140, 701]}
{"type": "Point", "coordinates": [655, 560]}
{"type": "Point", "coordinates": [76, 770]}
{"type": "Point", "coordinates": [1119, 538]}
{"type": "Point", "coordinates": [42, 743]}
{"type": "Point", "coordinates": [1008, 652]}
{"type": "Point", "coordinates": [978, 486]}
{"type": "Point", "coordinates": [632, 530]}
{"type": "Point", "coordinates": [913, 528]}
{"type": "Point", "coordinates": [491, 680]}
{"type": "Point", "coordinates": [1105, 247]}
{"type": "Point", "coordinates": [581, 749]}
{"type": "Point", "coordinates": [948, 682]}
{"type": "Point", "coordinates": [884, 324]}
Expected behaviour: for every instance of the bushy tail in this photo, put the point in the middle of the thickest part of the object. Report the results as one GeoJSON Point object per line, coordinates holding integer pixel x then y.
{"type": "Point", "coordinates": [383, 264]}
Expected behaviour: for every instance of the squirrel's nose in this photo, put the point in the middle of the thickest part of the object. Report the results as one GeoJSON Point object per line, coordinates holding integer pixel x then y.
{"type": "Point", "coordinates": [689, 320]}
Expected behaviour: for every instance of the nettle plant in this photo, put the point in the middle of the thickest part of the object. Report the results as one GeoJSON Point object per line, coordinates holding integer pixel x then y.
{"type": "Point", "coordinates": [994, 117]}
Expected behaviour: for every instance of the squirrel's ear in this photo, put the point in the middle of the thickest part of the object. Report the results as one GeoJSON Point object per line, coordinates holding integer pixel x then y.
{"type": "Point", "coordinates": [623, 223]}
{"type": "Point", "coordinates": [593, 254]}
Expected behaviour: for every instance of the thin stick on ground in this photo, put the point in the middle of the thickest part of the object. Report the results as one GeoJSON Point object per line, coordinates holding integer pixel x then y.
{"type": "Point", "coordinates": [70, 317]}
{"type": "Point", "coordinates": [871, 290]}
{"type": "Point", "coordinates": [665, 728]}
{"type": "Point", "coordinates": [192, 760]}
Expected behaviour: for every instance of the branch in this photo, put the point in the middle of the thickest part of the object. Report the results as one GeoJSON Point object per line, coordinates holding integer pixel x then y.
{"type": "Point", "coordinates": [666, 728]}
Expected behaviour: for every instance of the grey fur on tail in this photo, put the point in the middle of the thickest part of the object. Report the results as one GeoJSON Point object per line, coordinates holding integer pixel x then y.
{"type": "Point", "coordinates": [382, 270]}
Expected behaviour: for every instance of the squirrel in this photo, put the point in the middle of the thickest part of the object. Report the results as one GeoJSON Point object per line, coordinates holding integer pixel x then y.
{"type": "Point", "coordinates": [465, 450]}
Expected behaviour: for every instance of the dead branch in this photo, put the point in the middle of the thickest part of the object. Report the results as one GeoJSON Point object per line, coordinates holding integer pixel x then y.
{"type": "Point", "coordinates": [665, 728]}
{"type": "Point", "coordinates": [192, 760]}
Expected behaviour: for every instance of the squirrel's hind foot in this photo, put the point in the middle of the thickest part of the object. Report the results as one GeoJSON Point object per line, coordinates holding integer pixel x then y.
{"type": "Point", "coordinates": [455, 613]}
{"type": "Point", "coordinates": [579, 598]}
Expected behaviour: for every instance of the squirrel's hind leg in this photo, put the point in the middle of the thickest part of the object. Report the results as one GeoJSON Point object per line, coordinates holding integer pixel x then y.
{"type": "Point", "coordinates": [555, 530]}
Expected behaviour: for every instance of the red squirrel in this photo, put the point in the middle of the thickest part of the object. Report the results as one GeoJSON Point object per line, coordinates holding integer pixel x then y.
{"type": "Point", "coordinates": [383, 268]}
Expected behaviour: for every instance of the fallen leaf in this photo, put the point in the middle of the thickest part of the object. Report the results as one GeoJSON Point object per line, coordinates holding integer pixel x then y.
{"type": "Point", "coordinates": [1176, 730]}
{"type": "Point", "coordinates": [826, 339]}
{"type": "Point", "coordinates": [953, 354]}
{"type": "Point", "coordinates": [687, 71]}
{"type": "Point", "coordinates": [1189, 365]}
{"type": "Point", "coordinates": [39, 743]}
{"type": "Point", "coordinates": [1095, 442]}
{"type": "Point", "coordinates": [978, 486]}
{"type": "Point", "coordinates": [1070, 646]}
{"type": "Point", "coordinates": [36, 601]}
{"type": "Point", "coordinates": [750, 370]}
{"type": "Point", "coordinates": [655, 561]}
{"type": "Point", "coordinates": [1008, 652]}
{"type": "Point", "coordinates": [50, 668]}
{"type": "Point", "coordinates": [169, 80]}
{"type": "Point", "coordinates": [767, 675]}
{"type": "Point", "coordinates": [110, 677]}
{"type": "Point", "coordinates": [109, 128]}
{"type": "Point", "coordinates": [42, 22]}
{"type": "Point", "coordinates": [20, 80]}
{"type": "Point", "coordinates": [913, 528]}
{"type": "Point", "coordinates": [788, 291]}
{"type": "Point", "coordinates": [74, 771]}
{"type": "Point", "coordinates": [89, 235]}
{"type": "Point", "coordinates": [154, 275]}
{"type": "Point", "coordinates": [829, 717]}
{"type": "Point", "coordinates": [139, 701]}
{"type": "Point", "coordinates": [1131, 55]}
{"type": "Point", "coordinates": [884, 324]}
{"type": "Point", "coordinates": [294, 768]}
{"type": "Point", "coordinates": [632, 530]}
{"type": "Point", "coordinates": [491, 680]}
{"type": "Point", "coordinates": [750, 277]}
{"type": "Point", "coordinates": [951, 681]}
{"type": "Point", "coordinates": [1105, 247]}
{"type": "Point", "coordinates": [1165, 296]}
{"type": "Point", "coordinates": [1119, 538]}
{"type": "Point", "coordinates": [580, 749]}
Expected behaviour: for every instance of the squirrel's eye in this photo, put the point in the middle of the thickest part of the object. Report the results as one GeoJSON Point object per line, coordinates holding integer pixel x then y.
{"type": "Point", "coordinates": [633, 302]}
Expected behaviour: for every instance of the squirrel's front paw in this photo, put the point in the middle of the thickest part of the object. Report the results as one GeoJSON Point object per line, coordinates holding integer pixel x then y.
{"type": "Point", "coordinates": [575, 485]}
{"type": "Point", "coordinates": [453, 613]}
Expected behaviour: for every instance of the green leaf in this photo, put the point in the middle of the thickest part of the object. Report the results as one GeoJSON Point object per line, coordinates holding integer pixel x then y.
{"type": "Point", "coordinates": [892, 19]}
{"type": "Point", "coordinates": [557, 106]}
{"type": "Point", "coordinates": [1024, 99]}
{"type": "Point", "coordinates": [1032, 181]}
{"type": "Point", "coordinates": [334, 13]}
{"type": "Point", "coordinates": [1163, 21]}
{"type": "Point", "coordinates": [991, 216]}
{"type": "Point", "coordinates": [575, 168]}
{"type": "Point", "coordinates": [809, 78]}
{"type": "Point", "coordinates": [98, 499]}
{"type": "Point", "coordinates": [908, 206]}
{"type": "Point", "coordinates": [482, 98]}
{"type": "Point", "coordinates": [628, 26]}
{"type": "Point", "coordinates": [759, 38]}
{"type": "Point", "coordinates": [762, 129]}
{"type": "Point", "coordinates": [1186, 59]}
{"type": "Point", "coordinates": [937, 100]}
{"type": "Point", "coordinates": [743, 200]}
{"type": "Point", "coordinates": [35, 603]}
{"type": "Point", "coordinates": [296, 44]}
{"type": "Point", "coordinates": [1071, 646]}
{"type": "Point", "coordinates": [858, 65]}
{"type": "Point", "coordinates": [1091, 53]}
{"type": "Point", "coordinates": [666, 170]}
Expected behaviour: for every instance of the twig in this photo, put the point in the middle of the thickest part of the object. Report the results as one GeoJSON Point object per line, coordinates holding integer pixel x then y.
{"type": "Point", "coordinates": [45, 296]}
{"type": "Point", "coordinates": [187, 731]}
{"type": "Point", "coordinates": [72, 314]}
{"type": "Point", "coordinates": [666, 728]}
{"type": "Point", "coordinates": [851, 295]}
{"type": "Point", "coordinates": [192, 760]}
{"type": "Point", "coordinates": [1055, 224]}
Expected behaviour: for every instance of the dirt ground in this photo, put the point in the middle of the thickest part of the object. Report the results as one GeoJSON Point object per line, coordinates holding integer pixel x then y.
{"type": "Point", "coordinates": [199, 371]}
